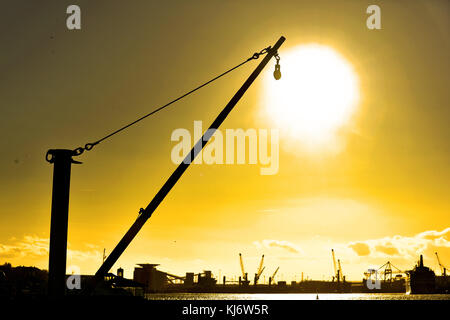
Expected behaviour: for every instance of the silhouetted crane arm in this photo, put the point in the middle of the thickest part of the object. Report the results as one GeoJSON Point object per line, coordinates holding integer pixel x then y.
{"type": "Point", "coordinates": [260, 269]}
{"type": "Point", "coordinates": [340, 270]}
{"type": "Point", "coordinates": [275, 273]}
{"type": "Point", "coordinates": [176, 175]}
{"type": "Point", "coordinates": [334, 262]}
{"type": "Point", "coordinates": [242, 265]}
{"type": "Point", "coordinates": [439, 261]}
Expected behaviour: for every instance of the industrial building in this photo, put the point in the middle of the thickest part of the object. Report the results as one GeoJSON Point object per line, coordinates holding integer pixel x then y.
{"type": "Point", "coordinates": [152, 279]}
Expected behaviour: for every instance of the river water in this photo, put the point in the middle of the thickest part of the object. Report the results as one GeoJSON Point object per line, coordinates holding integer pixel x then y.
{"type": "Point", "coordinates": [295, 296]}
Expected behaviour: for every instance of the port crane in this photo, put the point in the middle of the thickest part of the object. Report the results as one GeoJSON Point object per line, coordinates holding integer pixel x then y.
{"type": "Point", "coordinates": [336, 271]}
{"type": "Point", "coordinates": [442, 267]}
{"type": "Point", "coordinates": [260, 270]}
{"type": "Point", "coordinates": [272, 278]}
{"type": "Point", "coordinates": [244, 274]}
{"type": "Point", "coordinates": [340, 274]}
{"type": "Point", "coordinates": [62, 161]}
{"type": "Point", "coordinates": [182, 167]}
{"type": "Point", "coordinates": [388, 271]}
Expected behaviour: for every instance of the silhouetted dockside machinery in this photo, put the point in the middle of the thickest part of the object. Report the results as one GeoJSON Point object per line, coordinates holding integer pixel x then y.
{"type": "Point", "coordinates": [272, 278]}
{"type": "Point", "coordinates": [341, 285]}
{"type": "Point", "coordinates": [260, 271]}
{"type": "Point", "coordinates": [442, 281]}
{"type": "Point", "coordinates": [336, 270]}
{"type": "Point", "coordinates": [176, 175]}
{"type": "Point", "coordinates": [244, 279]}
{"type": "Point", "coordinates": [62, 160]}
{"type": "Point", "coordinates": [390, 279]}
{"type": "Point", "coordinates": [441, 266]}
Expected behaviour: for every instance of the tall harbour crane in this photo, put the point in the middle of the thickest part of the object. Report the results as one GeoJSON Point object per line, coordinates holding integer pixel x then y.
{"type": "Point", "coordinates": [340, 274]}
{"type": "Point", "coordinates": [244, 274]}
{"type": "Point", "coordinates": [272, 278]}
{"type": "Point", "coordinates": [260, 270]}
{"type": "Point", "coordinates": [62, 162]}
{"type": "Point", "coordinates": [389, 270]}
{"type": "Point", "coordinates": [443, 269]}
{"type": "Point", "coordinates": [336, 271]}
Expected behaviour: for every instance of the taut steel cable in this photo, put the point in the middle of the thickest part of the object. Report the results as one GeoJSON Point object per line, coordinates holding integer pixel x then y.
{"type": "Point", "coordinates": [89, 146]}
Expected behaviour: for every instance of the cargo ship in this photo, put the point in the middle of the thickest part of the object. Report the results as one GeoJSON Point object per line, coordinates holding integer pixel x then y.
{"type": "Point", "coordinates": [420, 280]}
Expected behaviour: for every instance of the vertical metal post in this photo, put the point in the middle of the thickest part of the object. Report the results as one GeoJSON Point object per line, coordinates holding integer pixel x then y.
{"type": "Point", "coordinates": [62, 161]}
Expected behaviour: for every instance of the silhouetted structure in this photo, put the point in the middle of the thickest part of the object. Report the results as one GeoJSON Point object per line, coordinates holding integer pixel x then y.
{"type": "Point", "coordinates": [146, 213]}
{"type": "Point", "coordinates": [62, 162]}
{"type": "Point", "coordinates": [147, 274]}
{"type": "Point", "coordinates": [206, 280]}
{"type": "Point", "coordinates": [22, 281]}
{"type": "Point", "coordinates": [421, 279]}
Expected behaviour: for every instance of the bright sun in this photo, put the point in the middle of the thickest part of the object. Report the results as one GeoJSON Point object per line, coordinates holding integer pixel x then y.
{"type": "Point", "coordinates": [316, 95]}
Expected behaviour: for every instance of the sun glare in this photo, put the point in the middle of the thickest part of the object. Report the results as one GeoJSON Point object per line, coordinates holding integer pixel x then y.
{"type": "Point", "coordinates": [316, 95]}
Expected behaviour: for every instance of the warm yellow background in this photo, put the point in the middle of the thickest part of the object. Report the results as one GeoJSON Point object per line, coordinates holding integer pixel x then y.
{"type": "Point", "coordinates": [61, 89]}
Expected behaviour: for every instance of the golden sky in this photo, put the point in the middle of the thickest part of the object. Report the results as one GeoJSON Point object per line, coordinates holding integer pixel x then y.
{"type": "Point", "coordinates": [382, 195]}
